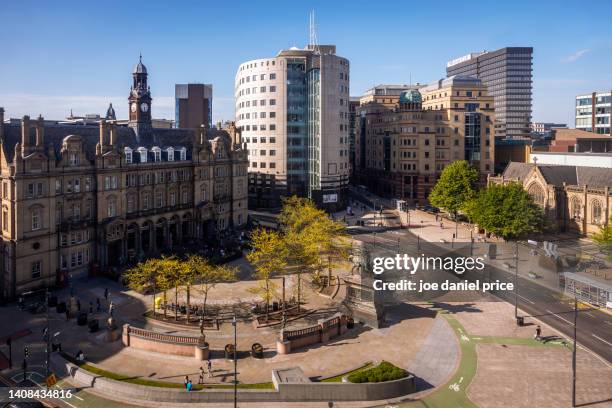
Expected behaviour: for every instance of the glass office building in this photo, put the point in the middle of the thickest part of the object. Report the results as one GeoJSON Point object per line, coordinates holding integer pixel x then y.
{"type": "Point", "coordinates": [593, 112]}
{"type": "Point", "coordinates": [507, 73]}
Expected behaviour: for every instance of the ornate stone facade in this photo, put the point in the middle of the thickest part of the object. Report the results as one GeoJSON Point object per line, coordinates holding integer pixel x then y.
{"type": "Point", "coordinates": [574, 198]}
{"type": "Point", "coordinates": [82, 198]}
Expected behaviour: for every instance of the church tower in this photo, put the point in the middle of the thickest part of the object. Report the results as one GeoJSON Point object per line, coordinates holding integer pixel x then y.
{"type": "Point", "coordinates": [140, 102]}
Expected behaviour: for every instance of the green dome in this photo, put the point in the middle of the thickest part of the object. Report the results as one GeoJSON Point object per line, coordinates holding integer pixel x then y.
{"type": "Point", "coordinates": [410, 96]}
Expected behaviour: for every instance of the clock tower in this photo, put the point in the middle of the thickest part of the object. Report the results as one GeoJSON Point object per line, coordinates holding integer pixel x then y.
{"type": "Point", "coordinates": [140, 101]}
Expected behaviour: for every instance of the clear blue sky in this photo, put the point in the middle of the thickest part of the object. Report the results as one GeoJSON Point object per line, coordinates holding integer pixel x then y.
{"type": "Point", "coordinates": [79, 54]}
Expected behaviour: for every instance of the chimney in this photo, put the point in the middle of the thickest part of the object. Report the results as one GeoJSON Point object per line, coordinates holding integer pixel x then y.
{"type": "Point", "coordinates": [40, 133]}
{"type": "Point", "coordinates": [103, 128]}
{"type": "Point", "coordinates": [113, 134]}
{"type": "Point", "coordinates": [202, 133]}
{"type": "Point", "coordinates": [25, 134]}
{"type": "Point", "coordinates": [1, 122]}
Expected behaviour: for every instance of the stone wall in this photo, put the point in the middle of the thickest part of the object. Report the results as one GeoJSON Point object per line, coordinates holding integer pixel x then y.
{"type": "Point", "coordinates": [163, 343]}
{"type": "Point", "coordinates": [325, 330]}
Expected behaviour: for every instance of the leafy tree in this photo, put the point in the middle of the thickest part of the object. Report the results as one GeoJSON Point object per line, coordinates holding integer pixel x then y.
{"type": "Point", "coordinates": [207, 275]}
{"type": "Point", "coordinates": [269, 257]}
{"type": "Point", "coordinates": [604, 239]}
{"type": "Point", "coordinates": [144, 276]}
{"type": "Point", "coordinates": [456, 186]}
{"type": "Point", "coordinates": [507, 211]}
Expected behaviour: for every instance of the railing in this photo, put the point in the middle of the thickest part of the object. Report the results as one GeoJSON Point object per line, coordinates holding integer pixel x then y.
{"type": "Point", "coordinates": [299, 333]}
{"type": "Point", "coordinates": [166, 338]}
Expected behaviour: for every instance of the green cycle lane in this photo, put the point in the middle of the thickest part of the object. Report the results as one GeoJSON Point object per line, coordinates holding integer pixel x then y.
{"type": "Point", "coordinates": [453, 394]}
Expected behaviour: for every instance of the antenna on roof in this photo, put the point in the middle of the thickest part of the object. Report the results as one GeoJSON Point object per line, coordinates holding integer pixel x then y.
{"type": "Point", "coordinates": [312, 41]}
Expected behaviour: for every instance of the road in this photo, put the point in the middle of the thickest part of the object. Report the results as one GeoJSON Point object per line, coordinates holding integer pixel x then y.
{"type": "Point", "coordinates": [594, 328]}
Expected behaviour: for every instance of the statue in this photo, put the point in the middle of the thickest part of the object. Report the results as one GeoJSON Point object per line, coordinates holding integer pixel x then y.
{"type": "Point", "coordinates": [202, 335]}
{"type": "Point", "coordinates": [361, 260]}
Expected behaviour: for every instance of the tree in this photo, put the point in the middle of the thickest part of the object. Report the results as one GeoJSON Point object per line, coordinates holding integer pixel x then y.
{"type": "Point", "coordinates": [269, 257]}
{"type": "Point", "coordinates": [604, 239]}
{"type": "Point", "coordinates": [507, 211]}
{"type": "Point", "coordinates": [207, 276]}
{"type": "Point", "coordinates": [456, 186]}
{"type": "Point", "coordinates": [143, 277]}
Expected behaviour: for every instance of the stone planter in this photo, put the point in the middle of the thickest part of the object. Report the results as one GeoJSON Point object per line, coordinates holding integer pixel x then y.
{"type": "Point", "coordinates": [229, 351]}
{"type": "Point", "coordinates": [257, 350]}
{"type": "Point", "coordinates": [202, 351]}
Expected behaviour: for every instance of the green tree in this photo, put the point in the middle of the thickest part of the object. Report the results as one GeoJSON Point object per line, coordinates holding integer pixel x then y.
{"type": "Point", "coordinates": [456, 186]}
{"type": "Point", "coordinates": [207, 276]}
{"type": "Point", "coordinates": [269, 257]}
{"type": "Point", "coordinates": [143, 277]}
{"type": "Point", "coordinates": [604, 239]}
{"type": "Point", "coordinates": [507, 211]}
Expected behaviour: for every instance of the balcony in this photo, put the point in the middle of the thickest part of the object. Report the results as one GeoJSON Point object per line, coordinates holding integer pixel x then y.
{"type": "Point", "coordinates": [72, 223]}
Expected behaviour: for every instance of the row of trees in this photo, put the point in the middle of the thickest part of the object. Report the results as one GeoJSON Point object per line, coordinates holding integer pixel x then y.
{"type": "Point", "coordinates": [308, 242]}
{"type": "Point", "coordinates": [166, 273]}
{"type": "Point", "coordinates": [506, 210]}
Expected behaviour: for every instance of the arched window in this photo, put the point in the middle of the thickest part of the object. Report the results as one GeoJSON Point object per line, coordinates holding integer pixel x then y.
{"type": "Point", "coordinates": [576, 208]}
{"type": "Point", "coordinates": [596, 212]}
{"type": "Point", "coordinates": [170, 152]}
{"type": "Point", "coordinates": [537, 194]}
{"type": "Point", "coordinates": [156, 153]}
{"type": "Point", "coordinates": [183, 153]}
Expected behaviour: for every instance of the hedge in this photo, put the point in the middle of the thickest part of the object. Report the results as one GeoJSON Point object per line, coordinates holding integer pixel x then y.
{"type": "Point", "coordinates": [385, 371]}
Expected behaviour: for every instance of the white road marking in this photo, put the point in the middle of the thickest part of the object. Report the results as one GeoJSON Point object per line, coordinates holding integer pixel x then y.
{"type": "Point", "coordinates": [526, 300]}
{"type": "Point", "coordinates": [559, 317]}
{"type": "Point", "coordinates": [600, 339]}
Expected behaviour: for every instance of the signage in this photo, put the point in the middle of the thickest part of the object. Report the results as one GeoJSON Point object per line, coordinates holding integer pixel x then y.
{"type": "Point", "coordinates": [330, 198]}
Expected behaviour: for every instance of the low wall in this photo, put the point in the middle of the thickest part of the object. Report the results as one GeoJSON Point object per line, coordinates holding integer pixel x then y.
{"type": "Point", "coordinates": [283, 393]}
{"type": "Point", "coordinates": [163, 343]}
{"type": "Point", "coordinates": [325, 330]}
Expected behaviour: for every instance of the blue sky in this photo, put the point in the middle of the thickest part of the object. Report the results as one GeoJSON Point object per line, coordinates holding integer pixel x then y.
{"type": "Point", "coordinates": [77, 54]}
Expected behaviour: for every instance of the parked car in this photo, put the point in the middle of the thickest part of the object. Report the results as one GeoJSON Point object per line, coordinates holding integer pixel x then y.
{"type": "Point", "coordinates": [431, 209]}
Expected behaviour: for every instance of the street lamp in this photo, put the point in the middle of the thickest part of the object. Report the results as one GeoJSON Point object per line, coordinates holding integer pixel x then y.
{"type": "Point", "coordinates": [235, 365]}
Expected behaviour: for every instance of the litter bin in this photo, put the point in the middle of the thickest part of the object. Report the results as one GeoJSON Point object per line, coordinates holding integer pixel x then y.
{"type": "Point", "coordinates": [520, 321]}
{"type": "Point", "coordinates": [229, 351]}
{"type": "Point", "coordinates": [61, 307]}
{"type": "Point", "coordinates": [94, 326]}
{"type": "Point", "coordinates": [82, 319]}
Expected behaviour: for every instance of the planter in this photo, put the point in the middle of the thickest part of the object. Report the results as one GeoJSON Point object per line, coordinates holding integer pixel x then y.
{"type": "Point", "coordinates": [61, 307]}
{"type": "Point", "coordinates": [229, 351]}
{"type": "Point", "coordinates": [257, 350]}
{"type": "Point", "coordinates": [82, 319]}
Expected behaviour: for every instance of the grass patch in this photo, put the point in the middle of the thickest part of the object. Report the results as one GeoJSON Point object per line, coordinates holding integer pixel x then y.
{"type": "Point", "coordinates": [338, 378]}
{"type": "Point", "coordinates": [385, 371]}
{"type": "Point", "coordinates": [156, 383]}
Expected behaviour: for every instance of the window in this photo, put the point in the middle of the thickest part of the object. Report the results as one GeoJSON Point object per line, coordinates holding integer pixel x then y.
{"type": "Point", "coordinates": [172, 198]}
{"type": "Point", "coordinates": [130, 203]}
{"type": "Point", "coordinates": [272, 152]}
{"type": "Point", "coordinates": [170, 152]}
{"type": "Point", "coordinates": [36, 221]}
{"type": "Point", "coordinates": [143, 154]}
{"type": "Point", "coordinates": [596, 212]}
{"type": "Point", "coordinates": [272, 127]}
{"type": "Point", "coordinates": [272, 89]}
{"type": "Point", "coordinates": [74, 159]}
{"type": "Point", "coordinates": [159, 199]}
{"type": "Point", "coordinates": [183, 153]}
{"type": "Point", "coordinates": [77, 185]}
{"type": "Point", "coordinates": [272, 76]}
{"type": "Point", "coordinates": [112, 207]}
{"type": "Point", "coordinates": [272, 102]}
{"type": "Point", "coordinates": [128, 155]}
{"type": "Point", "coordinates": [5, 217]}
{"type": "Point", "coordinates": [272, 115]}
{"type": "Point", "coordinates": [156, 154]}
{"type": "Point", "coordinates": [272, 165]}
{"type": "Point", "coordinates": [36, 269]}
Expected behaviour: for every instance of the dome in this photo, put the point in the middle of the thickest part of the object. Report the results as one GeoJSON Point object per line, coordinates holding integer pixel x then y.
{"type": "Point", "coordinates": [140, 67]}
{"type": "Point", "coordinates": [410, 96]}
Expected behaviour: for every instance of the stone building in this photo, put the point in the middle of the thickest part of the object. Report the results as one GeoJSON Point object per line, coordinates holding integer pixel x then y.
{"type": "Point", "coordinates": [574, 198]}
{"type": "Point", "coordinates": [404, 141]}
{"type": "Point", "coordinates": [80, 198]}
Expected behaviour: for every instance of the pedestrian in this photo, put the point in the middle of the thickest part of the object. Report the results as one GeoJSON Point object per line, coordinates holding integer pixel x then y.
{"type": "Point", "coordinates": [209, 368]}
{"type": "Point", "coordinates": [106, 294]}
{"type": "Point", "coordinates": [441, 225]}
{"type": "Point", "coordinates": [98, 306]}
{"type": "Point", "coordinates": [79, 305]}
{"type": "Point", "coordinates": [538, 333]}
{"type": "Point", "coordinates": [201, 379]}
{"type": "Point", "coordinates": [90, 307]}
{"type": "Point", "coordinates": [189, 386]}
{"type": "Point", "coordinates": [186, 381]}
{"type": "Point", "coordinates": [67, 314]}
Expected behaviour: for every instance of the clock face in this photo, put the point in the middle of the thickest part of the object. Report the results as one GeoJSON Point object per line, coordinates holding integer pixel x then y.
{"type": "Point", "coordinates": [144, 107]}
{"type": "Point", "coordinates": [134, 107]}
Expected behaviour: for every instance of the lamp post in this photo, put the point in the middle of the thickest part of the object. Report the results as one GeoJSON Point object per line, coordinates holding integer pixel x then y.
{"type": "Point", "coordinates": [574, 350]}
{"type": "Point", "coordinates": [235, 365]}
{"type": "Point", "coordinates": [47, 338]}
{"type": "Point", "coordinates": [516, 264]}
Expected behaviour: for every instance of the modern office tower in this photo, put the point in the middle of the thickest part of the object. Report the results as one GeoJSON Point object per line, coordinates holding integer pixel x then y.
{"type": "Point", "coordinates": [593, 112]}
{"type": "Point", "coordinates": [402, 149]}
{"type": "Point", "coordinates": [193, 105]}
{"type": "Point", "coordinates": [507, 73]}
{"type": "Point", "coordinates": [353, 122]}
{"type": "Point", "coordinates": [293, 111]}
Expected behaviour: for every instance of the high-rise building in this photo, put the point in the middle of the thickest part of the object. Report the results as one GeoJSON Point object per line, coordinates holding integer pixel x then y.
{"type": "Point", "coordinates": [293, 111]}
{"type": "Point", "coordinates": [507, 73]}
{"type": "Point", "coordinates": [353, 122]}
{"type": "Point", "coordinates": [402, 149]}
{"type": "Point", "coordinates": [193, 105]}
{"type": "Point", "coordinates": [593, 112]}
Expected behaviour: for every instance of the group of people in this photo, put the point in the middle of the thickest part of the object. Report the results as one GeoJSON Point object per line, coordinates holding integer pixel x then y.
{"type": "Point", "coordinates": [208, 373]}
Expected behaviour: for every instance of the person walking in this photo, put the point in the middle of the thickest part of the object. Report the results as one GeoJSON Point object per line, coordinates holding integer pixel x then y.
{"type": "Point", "coordinates": [98, 306]}
{"type": "Point", "coordinates": [90, 307]}
{"type": "Point", "coordinates": [79, 305]}
{"type": "Point", "coordinates": [106, 294]}
{"type": "Point", "coordinates": [538, 333]}
{"type": "Point", "coordinates": [186, 381]}
{"type": "Point", "coordinates": [201, 379]}
{"type": "Point", "coordinates": [209, 368]}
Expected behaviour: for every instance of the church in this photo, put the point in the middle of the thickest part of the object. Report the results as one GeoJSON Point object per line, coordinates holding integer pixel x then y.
{"type": "Point", "coordinates": [80, 198]}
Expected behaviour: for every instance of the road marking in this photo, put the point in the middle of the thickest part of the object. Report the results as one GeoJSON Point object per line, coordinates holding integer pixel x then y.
{"type": "Point", "coordinates": [600, 339]}
{"type": "Point", "coordinates": [526, 300]}
{"type": "Point", "coordinates": [559, 317]}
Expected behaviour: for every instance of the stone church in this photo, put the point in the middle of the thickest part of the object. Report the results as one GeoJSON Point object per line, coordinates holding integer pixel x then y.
{"type": "Point", "coordinates": [574, 198]}
{"type": "Point", "coordinates": [82, 197]}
